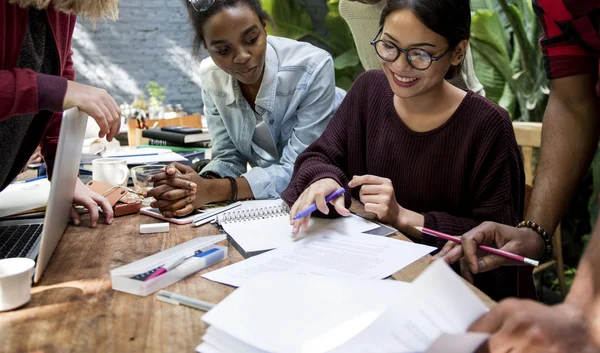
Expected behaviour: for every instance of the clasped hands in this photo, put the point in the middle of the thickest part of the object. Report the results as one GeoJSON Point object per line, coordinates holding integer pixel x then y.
{"type": "Point", "coordinates": [175, 190]}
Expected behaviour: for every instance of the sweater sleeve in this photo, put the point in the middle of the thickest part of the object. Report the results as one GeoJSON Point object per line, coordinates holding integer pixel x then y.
{"type": "Point", "coordinates": [497, 184]}
{"type": "Point", "coordinates": [49, 141]}
{"type": "Point", "coordinates": [327, 157]}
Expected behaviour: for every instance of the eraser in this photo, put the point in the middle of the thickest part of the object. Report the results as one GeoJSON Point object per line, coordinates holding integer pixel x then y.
{"type": "Point", "coordinates": [154, 228]}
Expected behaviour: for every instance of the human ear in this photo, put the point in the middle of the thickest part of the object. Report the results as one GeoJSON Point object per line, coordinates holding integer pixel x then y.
{"type": "Point", "coordinates": [458, 54]}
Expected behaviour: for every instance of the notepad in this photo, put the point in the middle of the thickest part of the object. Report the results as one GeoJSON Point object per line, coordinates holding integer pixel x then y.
{"type": "Point", "coordinates": [262, 225]}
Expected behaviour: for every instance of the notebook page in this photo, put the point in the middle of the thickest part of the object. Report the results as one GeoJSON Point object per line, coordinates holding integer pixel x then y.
{"type": "Point", "coordinates": [273, 232]}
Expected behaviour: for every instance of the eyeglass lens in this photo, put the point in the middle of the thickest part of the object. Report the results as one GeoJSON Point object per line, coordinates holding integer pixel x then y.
{"type": "Point", "coordinates": [417, 58]}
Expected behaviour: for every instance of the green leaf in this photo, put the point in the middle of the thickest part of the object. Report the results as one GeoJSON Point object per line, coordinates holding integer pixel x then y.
{"type": "Point", "coordinates": [292, 21]}
{"type": "Point", "coordinates": [487, 28]}
{"type": "Point", "coordinates": [348, 59]}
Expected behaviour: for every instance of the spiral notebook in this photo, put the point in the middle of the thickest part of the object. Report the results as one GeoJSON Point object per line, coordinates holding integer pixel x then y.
{"type": "Point", "coordinates": [262, 225]}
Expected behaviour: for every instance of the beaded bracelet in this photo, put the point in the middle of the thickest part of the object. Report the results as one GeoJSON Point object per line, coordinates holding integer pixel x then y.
{"type": "Point", "coordinates": [548, 247]}
{"type": "Point", "coordinates": [234, 190]}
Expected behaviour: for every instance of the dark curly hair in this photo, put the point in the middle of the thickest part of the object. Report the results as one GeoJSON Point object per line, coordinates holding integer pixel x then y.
{"type": "Point", "coordinates": [198, 19]}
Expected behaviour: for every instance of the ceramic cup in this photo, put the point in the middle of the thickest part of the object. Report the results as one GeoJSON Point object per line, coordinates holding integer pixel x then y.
{"type": "Point", "coordinates": [112, 171]}
{"type": "Point", "coordinates": [15, 282]}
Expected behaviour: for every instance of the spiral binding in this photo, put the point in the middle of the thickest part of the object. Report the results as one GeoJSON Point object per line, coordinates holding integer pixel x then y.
{"type": "Point", "coordinates": [252, 214]}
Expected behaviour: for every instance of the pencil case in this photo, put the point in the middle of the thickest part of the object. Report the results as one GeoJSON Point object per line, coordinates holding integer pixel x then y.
{"type": "Point", "coordinates": [195, 255]}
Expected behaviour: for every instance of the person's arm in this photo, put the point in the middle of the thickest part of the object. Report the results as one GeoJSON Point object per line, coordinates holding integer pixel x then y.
{"type": "Point", "coordinates": [313, 114]}
{"type": "Point", "coordinates": [569, 142]}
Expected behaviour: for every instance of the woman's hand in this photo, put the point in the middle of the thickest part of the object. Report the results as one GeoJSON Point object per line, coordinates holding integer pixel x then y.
{"type": "Point", "coordinates": [377, 194]}
{"type": "Point", "coordinates": [98, 104]}
{"type": "Point", "coordinates": [87, 198]}
{"type": "Point", "coordinates": [175, 190]}
{"type": "Point", "coordinates": [316, 193]}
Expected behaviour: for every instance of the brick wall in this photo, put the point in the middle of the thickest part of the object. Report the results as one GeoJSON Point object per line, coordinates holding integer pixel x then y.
{"type": "Point", "coordinates": [151, 41]}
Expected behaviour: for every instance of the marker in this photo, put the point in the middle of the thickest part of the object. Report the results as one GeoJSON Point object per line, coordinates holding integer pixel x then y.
{"type": "Point", "coordinates": [176, 299]}
{"type": "Point", "coordinates": [166, 267]}
{"type": "Point", "coordinates": [312, 208]}
{"type": "Point", "coordinates": [485, 248]}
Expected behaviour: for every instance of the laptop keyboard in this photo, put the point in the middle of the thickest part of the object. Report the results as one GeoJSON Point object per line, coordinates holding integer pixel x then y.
{"type": "Point", "coordinates": [16, 241]}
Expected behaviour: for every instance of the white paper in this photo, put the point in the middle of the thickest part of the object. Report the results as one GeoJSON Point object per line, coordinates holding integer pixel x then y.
{"type": "Point", "coordinates": [152, 155]}
{"type": "Point", "coordinates": [274, 232]}
{"type": "Point", "coordinates": [21, 197]}
{"type": "Point", "coordinates": [458, 343]}
{"type": "Point", "coordinates": [439, 303]}
{"type": "Point", "coordinates": [330, 254]}
{"type": "Point", "coordinates": [297, 313]}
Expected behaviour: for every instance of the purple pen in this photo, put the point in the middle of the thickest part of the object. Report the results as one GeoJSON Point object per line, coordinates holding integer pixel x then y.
{"type": "Point", "coordinates": [312, 208]}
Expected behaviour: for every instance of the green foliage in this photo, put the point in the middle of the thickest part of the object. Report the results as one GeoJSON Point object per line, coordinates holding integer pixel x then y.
{"type": "Point", "coordinates": [292, 21]}
{"type": "Point", "coordinates": [507, 60]}
{"type": "Point", "coordinates": [156, 93]}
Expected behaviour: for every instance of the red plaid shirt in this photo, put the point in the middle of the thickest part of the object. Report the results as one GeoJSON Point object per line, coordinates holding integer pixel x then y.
{"type": "Point", "coordinates": [571, 42]}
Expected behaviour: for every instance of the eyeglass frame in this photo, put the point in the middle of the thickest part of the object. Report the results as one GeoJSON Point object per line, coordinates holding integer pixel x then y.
{"type": "Point", "coordinates": [202, 9]}
{"type": "Point", "coordinates": [399, 52]}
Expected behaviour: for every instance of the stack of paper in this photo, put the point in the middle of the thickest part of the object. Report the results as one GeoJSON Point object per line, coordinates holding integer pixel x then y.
{"type": "Point", "coordinates": [278, 313]}
{"type": "Point", "coordinates": [145, 155]}
{"type": "Point", "coordinates": [328, 254]}
{"type": "Point", "coordinates": [20, 198]}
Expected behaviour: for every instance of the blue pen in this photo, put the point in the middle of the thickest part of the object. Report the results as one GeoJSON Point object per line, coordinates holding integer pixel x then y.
{"type": "Point", "coordinates": [312, 208]}
{"type": "Point", "coordinates": [36, 178]}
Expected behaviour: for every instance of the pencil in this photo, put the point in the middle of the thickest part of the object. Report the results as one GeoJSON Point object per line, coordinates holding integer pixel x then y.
{"type": "Point", "coordinates": [485, 248]}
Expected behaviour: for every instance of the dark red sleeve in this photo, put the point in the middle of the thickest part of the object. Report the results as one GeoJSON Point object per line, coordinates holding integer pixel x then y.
{"type": "Point", "coordinates": [49, 141]}
{"type": "Point", "coordinates": [561, 43]}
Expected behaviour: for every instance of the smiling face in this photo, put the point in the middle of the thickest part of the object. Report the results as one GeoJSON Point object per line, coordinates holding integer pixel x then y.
{"type": "Point", "coordinates": [237, 42]}
{"type": "Point", "coordinates": [404, 29]}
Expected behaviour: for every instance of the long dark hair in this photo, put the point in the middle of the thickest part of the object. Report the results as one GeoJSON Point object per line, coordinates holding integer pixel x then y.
{"type": "Point", "coordinates": [198, 19]}
{"type": "Point", "coordinates": [449, 18]}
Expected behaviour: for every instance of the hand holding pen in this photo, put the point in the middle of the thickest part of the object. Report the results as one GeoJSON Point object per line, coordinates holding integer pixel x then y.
{"type": "Point", "coordinates": [316, 197]}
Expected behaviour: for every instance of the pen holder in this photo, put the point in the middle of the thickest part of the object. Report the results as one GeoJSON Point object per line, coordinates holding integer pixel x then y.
{"type": "Point", "coordinates": [133, 278]}
{"type": "Point", "coordinates": [134, 134]}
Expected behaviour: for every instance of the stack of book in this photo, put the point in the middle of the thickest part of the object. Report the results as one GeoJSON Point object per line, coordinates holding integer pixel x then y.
{"type": "Point", "coordinates": [178, 137]}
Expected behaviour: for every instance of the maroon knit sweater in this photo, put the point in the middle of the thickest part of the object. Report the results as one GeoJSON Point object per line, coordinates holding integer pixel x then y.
{"type": "Point", "coordinates": [467, 171]}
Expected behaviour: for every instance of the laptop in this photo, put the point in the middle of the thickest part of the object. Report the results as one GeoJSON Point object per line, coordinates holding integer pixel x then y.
{"type": "Point", "coordinates": [37, 238]}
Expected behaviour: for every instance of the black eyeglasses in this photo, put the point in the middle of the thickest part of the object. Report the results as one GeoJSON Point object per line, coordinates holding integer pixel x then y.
{"type": "Point", "coordinates": [202, 5]}
{"type": "Point", "coordinates": [418, 59]}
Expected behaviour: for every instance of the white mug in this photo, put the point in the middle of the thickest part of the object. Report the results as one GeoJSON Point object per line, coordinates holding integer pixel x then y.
{"type": "Point", "coordinates": [15, 282]}
{"type": "Point", "coordinates": [112, 171]}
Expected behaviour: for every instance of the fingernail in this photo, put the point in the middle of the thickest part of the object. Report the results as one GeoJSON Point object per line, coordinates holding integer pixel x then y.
{"type": "Point", "coordinates": [110, 221]}
{"type": "Point", "coordinates": [76, 222]}
{"type": "Point", "coordinates": [481, 265]}
{"type": "Point", "coordinates": [190, 199]}
{"type": "Point", "coordinates": [153, 204]}
{"type": "Point", "coordinates": [145, 194]}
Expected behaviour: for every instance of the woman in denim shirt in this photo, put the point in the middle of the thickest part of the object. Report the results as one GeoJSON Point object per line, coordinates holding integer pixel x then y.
{"type": "Point", "coordinates": [265, 99]}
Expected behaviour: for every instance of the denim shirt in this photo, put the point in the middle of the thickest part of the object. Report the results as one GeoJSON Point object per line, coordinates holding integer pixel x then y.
{"type": "Point", "coordinates": [296, 99]}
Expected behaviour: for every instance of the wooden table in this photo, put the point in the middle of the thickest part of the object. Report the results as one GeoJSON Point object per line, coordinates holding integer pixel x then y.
{"type": "Point", "coordinates": [74, 309]}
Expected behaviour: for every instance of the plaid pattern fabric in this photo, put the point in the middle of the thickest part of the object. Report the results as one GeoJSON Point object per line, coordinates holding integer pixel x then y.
{"type": "Point", "coordinates": [571, 41]}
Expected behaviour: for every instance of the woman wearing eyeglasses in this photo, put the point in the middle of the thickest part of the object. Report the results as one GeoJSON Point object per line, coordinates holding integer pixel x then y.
{"type": "Point", "coordinates": [414, 149]}
{"type": "Point", "coordinates": [265, 98]}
